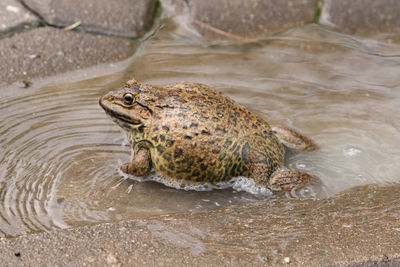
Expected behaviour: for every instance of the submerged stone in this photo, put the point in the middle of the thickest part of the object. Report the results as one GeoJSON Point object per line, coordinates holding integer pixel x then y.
{"type": "Point", "coordinates": [247, 19]}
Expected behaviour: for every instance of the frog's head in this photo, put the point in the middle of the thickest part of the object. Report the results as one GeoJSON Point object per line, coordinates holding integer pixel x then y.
{"type": "Point", "coordinates": [130, 107]}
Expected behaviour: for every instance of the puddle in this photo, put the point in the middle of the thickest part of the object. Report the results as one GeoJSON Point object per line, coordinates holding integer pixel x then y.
{"type": "Point", "coordinates": [59, 151]}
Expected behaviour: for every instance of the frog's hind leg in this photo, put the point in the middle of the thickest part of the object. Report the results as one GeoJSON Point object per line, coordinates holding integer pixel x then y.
{"type": "Point", "coordinates": [292, 139]}
{"type": "Point", "coordinates": [285, 180]}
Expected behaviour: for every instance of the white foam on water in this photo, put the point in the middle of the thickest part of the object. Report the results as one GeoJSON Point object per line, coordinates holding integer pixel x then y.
{"type": "Point", "coordinates": [240, 184]}
{"type": "Point", "coordinates": [249, 185]}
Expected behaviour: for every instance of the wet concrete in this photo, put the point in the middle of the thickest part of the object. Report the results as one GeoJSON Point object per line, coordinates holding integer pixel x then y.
{"type": "Point", "coordinates": [362, 17]}
{"type": "Point", "coordinates": [46, 51]}
{"type": "Point", "coordinates": [247, 19]}
{"type": "Point", "coordinates": [359, 227]}
{"type": "Point", "coordinates": [13, 17]}
{"type": "Point", "coordinates": [119, 17]}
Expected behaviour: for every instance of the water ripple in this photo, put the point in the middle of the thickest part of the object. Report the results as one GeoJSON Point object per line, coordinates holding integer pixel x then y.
{"type": "Point", "coordinates": [59, 152]}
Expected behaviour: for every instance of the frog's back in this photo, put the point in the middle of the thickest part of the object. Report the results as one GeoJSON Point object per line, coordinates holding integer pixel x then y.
{"type": "Point", "coordinates": [201, 135]}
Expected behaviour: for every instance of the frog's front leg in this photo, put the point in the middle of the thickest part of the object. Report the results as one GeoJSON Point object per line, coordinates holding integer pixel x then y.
{"type": "Point", "coordinates": [141, 163]}
{"type": "Point", "coordinates": [292, 139]}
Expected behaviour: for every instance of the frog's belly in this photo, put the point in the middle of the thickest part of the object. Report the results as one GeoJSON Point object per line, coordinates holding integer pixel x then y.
{"type": "Point", "coordinates": [209, 167]}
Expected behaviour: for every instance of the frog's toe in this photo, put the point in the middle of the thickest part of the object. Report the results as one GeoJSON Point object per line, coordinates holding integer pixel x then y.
{"type": "Point", "coordinates": [287, 180]}
{"type": "Point", "coordinates": [124, 168]}
{"type": "Point", "coordinates": [134, 169]}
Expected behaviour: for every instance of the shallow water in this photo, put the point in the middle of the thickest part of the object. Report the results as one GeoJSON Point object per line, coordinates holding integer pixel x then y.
{"type": "Point", "coordinates": [59, 151]}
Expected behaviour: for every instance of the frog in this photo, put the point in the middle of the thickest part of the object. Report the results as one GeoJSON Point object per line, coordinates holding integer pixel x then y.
{"type": "Point", "coordinates": [193, 134]}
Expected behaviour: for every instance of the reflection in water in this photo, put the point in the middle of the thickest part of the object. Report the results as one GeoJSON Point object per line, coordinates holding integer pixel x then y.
{"type": "Point", "coordinates": [59, 151]}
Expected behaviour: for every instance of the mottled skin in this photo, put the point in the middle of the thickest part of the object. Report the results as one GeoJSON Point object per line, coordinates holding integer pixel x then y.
{"type": "Point", "coordinates": [192, 133]}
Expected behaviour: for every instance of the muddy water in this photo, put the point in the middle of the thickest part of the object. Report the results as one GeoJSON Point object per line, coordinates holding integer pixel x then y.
{"type": "Point", "coordinates": [59, 152]}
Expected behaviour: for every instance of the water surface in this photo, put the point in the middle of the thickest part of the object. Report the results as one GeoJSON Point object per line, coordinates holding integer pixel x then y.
{"type": "Point", "coordinates": [59, 152]}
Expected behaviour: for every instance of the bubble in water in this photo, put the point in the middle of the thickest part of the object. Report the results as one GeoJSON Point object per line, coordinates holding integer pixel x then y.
{"type": "Point", "coordinates": [306, 192]}
{"type": "Point", "coordinates": [351, 151]}
{"type": "Point", "coordinates": [301, 165]}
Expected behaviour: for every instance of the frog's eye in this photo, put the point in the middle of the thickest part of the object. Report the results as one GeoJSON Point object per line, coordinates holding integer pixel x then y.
{"type": "Point", "coordinates": [128, 98]}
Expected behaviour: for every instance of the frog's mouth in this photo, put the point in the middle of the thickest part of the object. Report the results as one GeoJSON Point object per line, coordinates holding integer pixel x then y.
{"type": "Point", "coordinates": [124, 118]}
{"type": "Point", "coordinates": [120, 118]}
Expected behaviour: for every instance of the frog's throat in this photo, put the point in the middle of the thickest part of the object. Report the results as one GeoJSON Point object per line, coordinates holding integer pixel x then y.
{"type": "Point", "coordinates": [135, 135]}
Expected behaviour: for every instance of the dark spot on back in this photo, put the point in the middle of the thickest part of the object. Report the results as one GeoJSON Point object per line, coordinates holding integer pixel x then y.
{"type": "Point", "coordinates": [222, 156]}
{"type": "Point", "coordinates": [227, 143]}
{"type": "Point", "coordinates": [199, 105]}
{"type": "Point", "coordinates": [196, 173]}
{"type": "Point", "coordinates": [220, 130]}
{"type": "Point", "coordinates": [178, 152]}
{"type": "Point", "coordinates": [179, 101]}
{"type": "Point", "coordinates": [160, 148]}
{"type": "Point", "coordinates": [216, 150]}
{"type": "Point", "coordinates": [165, 106]}
{"type": "Point", "coordinates": [171, 165]}
{"type": "Point", "coordinates": [203, 166]}
{"type": "Point", "coordinates": [205, 132]}
{"type": "Point", "coordinates": [167, 156]}
{"type": "Point", "coordinates": [169, 143]}
{"type": "Point", "coordinates": [246, 153]}
{"type": "Point", "coordinates": [193, 125]}
{"type": "Point", "coordinates": [233, 170]}
{"type": "Point", "coordinates": [166, 128]}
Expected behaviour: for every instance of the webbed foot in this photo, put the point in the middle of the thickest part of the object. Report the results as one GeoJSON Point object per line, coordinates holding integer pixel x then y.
{"type": "Point", "coordinates": [292, 139]}
{"type": "Point", "coordinates": [286, 180]}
